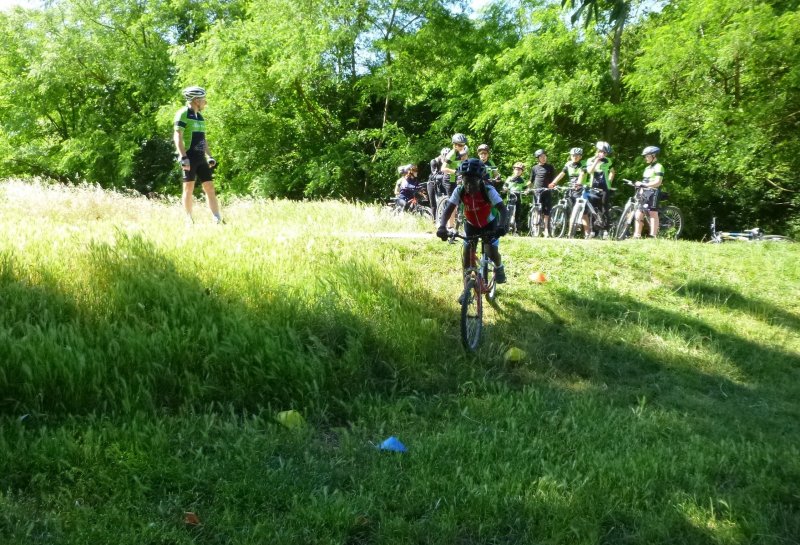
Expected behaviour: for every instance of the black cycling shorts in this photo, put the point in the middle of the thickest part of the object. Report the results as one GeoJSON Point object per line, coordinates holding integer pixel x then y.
{"type": "Point", "coordinates": [198, 168]}
{"type": "Point", "coordinates": [652, 195]}
{"type": "Point", "coordinates": [546, 198]}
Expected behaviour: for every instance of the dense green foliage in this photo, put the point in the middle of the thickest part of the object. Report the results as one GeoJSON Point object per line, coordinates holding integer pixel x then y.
{"type": "Point", "coordinates": [142, 363]}
{"type": "Point", "coordinates": [326, 98]}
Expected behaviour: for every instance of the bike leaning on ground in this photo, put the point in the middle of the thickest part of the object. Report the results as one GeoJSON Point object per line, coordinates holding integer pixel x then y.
{"type": "Point", "coordinates": [479, 280]}
{"type": "Point", "coordinates": [748, 235]}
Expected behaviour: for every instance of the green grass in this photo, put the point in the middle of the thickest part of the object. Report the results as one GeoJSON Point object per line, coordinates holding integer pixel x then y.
{"type": "Point", "coordinates": [142, 363]}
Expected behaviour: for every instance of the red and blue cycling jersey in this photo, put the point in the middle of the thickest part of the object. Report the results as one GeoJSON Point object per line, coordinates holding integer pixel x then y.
{"type": "Point", "coordinates": [479, 207]}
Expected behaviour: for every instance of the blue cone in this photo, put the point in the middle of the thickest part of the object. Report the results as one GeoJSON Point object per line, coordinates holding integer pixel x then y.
{"type": "Point", "coordinates": [393, 444]}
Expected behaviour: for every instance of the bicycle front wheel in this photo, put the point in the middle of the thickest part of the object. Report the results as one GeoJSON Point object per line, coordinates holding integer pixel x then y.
{"type": "Point", "coordinates": [575, 221]}
{"type": "Point", "coordinates": [625, 223]}
{"type": "Point", "coordinates": [440, 206]}
{"type": "Point", "coordinates": [775, 238]}
{"type": "Point", "coordinates": [535, 223]}
{"type": "Point", "coordinates": [614, 215]}
{"type": "Point", "coordinates": [558, 221]}
{"type": "Point", "coordinates": [670, 222]}
{"type": "Point", "coordinates": [471, 315]}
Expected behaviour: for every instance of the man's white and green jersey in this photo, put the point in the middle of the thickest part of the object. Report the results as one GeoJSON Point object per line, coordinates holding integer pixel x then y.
{"type": "Point", "coordinates": [652, 172]}
{"type": "Point", "coordinates": [193, 127]}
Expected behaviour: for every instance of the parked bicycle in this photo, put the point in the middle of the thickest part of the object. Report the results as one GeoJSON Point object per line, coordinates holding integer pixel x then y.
{"type": "Point", "coordinates": [670, 218]}
{"type": "Point", "coordinates": [602, 224]}
{"type": "Point", "coordinates": [536, 218]}
{"type": "Point", "coordinates": [559, 214]}
{"type": "Point", "coordinates": [748, 235]}
{"type": "Point", "coordinates": [514, 202]}
{"type": "Point", "coordinates": [417, 205]}
{"type": "Point", "coordinates": [479, 279]}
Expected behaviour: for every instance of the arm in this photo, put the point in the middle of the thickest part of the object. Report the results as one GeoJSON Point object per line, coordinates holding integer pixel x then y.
{"type": "Point", "coordinates": [177, 137]}
{"type": "Point", "coordinates": [557, 179]}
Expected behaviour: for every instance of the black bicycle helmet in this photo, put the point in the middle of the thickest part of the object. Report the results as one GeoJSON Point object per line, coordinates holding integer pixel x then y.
{"type": "Point", "coordinates": [459, 138]}
{"type": "Point", "coordinates": [651, 150]}
{"type": "Point", "coordinates": [191, 93]}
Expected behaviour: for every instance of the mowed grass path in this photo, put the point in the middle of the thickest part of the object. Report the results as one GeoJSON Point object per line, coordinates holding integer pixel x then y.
{"type": "Point", "coordinates": [142, 363]}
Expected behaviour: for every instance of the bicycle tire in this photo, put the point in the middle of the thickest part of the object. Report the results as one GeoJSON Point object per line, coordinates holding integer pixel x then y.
{"type": "Point", "coordinates": [535, 223]}
{"type": "Point", "coordinates": [558, 221]}
{"type": "Point", "coordinates": [512, 222]}
{"type": "Point", "coordinates": [670, 222]}
{"type": "Point", "coordinates": [614, 215]}
{"type": "Point", "coordinates": [423, 211]}
{"type": "Point", "coordinates": [471, 315]}
{"type": "Point", "coordinates": [575, 220]}
{"type": "Point", "coordinates": [440, 206]}
{"type": "Point", "coordinates": [776, 238]}
{"type": "Point", "coordinates": [625, 223]}
{"type": "Point", "coordinates": [491, 283]}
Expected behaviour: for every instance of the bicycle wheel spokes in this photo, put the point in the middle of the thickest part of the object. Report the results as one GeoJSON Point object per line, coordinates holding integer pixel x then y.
{"type": "Point", "coordinates": [536, 223]}
{"type": "Point", "coordinates": [614, 215]}
{"type": "Point", "coordinates": [558, 221]}
{"type": "Point", "coordinates": [670, 222]}
{"type": "Point", "coordinates": [471, 315]}
{"type": "Point", "coordinates": [625, 223]}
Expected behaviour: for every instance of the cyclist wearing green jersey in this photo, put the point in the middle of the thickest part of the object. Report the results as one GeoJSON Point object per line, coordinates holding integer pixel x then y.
{"type": "Point", "coordinates": [459, 153]}
{"type": "Point", "coordinates": [600, 175]}
{"type": "Point", "coordinates": [514, 186]}
{"type": "Point", "coordinates": [195, 155]}
{"type": "Point", "coordinates": [491, 170]}
{"type": "Point", "coordinates": [651, 182]}
{"type": "Point", "coordinates": [572, 169]}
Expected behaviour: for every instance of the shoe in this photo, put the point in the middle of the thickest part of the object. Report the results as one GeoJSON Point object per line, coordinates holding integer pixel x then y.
{"type": "Point", "coordinates": [500, 274]}
{"type": "Point", "coordinates": [219, 221]}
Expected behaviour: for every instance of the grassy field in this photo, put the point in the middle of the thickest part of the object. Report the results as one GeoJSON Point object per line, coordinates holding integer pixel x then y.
{"type": "Point", "coordinates": [143, 361]}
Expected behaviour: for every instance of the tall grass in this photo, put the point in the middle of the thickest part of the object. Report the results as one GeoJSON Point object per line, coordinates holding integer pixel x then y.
{"type": "Point", "coordinates": [142, 361]}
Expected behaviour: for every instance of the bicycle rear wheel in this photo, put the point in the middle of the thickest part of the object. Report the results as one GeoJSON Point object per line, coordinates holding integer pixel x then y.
{"type": "Point", "coordinates": [775, 238]}
{"type": "Point", "coordinates": [558, 221]}
{"type": "Point", "coordinates": [670, 222]}
{"type": "Point", "coordinates": [471, 315]}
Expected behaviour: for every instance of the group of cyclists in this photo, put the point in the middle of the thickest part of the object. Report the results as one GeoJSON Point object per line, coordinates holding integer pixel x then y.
{"type": "Point", "coordinates": [476, 184]}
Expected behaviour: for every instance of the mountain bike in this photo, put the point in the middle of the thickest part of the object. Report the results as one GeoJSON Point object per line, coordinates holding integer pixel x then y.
{"type": "Point", "coordinates": [418, 205]}
{"type": "Point", "coordinates": [748, 235]}
{"type": "Point", "coordinates": [536, 218]}
{"type": "Point", "coordinates": [670, 218]}
{"type": "Point", "coordinates": [600, 222]}
{"type": "Point", "coordinates": [559, 214]}
{"type": "Point", "coordinates": [479, 279]}
{"type": "Point", "coordinates": [514, 201]}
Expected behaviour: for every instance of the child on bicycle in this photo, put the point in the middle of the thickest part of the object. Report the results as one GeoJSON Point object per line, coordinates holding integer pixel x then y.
{"type": "Point", "coordinates": [439, 179]}
{"type": "Point", "coordinates": [652, 179]}
{"type": "Point", "coordinates": [484, 213]}
{"type": "Point", "coordinates": [514, 186]}
{"type": "Point", "coordinates": [572, 169]}
{"type": "Point", "coordinates": [406, 187]}
{"type": "Point", "coordinates": [492, 172]}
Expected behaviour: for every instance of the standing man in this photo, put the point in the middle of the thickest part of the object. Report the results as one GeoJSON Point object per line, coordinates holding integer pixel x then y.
{"type": "Point", "coordinates": [542, 176]}
{"type": "Point", "coordinates": [601, 175]}
{"type": "Point", "coordinates": [651, 182]}
{"type": "Point", "coordinates": [195, 155]}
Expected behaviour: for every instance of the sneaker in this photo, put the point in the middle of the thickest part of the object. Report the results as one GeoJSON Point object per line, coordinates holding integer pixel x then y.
{"type": "Point", "coordinates": [500, 274]}
{"type": "Point", "coordinates": [218, 220]}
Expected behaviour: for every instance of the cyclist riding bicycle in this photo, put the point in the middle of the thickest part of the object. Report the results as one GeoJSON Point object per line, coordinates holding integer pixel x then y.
{"type": "Point", "coordinates": [542, 176]}
{"type": "Point", "coordinates": [515, 185]}
{"type": "Point", "coordinates": [651, 182]}
{"type": "Point", "coordinates": [459, 153]}
{"type": "Point", "coordinates": [601, 175]}
{"type": "Point", "coordinates": [492, 172]}
{"type": "Point", "coordinates": [484, 213]}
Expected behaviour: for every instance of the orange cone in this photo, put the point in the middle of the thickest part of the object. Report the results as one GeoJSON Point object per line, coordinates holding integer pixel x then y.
{"type": "Point", "coordinates": [538, 277]}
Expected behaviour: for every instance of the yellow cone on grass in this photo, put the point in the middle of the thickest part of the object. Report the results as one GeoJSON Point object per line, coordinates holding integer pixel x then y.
{"type": "Point", "coordinates": [291, 419]}
{"type": "Point", "coordinates": [514, 354]}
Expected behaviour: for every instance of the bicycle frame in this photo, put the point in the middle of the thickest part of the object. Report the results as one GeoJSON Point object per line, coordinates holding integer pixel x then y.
{"type": "Point", "coordinates": [583, 207]}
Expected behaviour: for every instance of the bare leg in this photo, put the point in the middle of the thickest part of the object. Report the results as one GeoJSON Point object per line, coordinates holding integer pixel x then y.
{"type": "Point", "coordinates": [637, 224]}
{"type": "Point", "coordinates": [187, 199]}
{"type": "Point", "coordinates": [546, 226]}
{"type": "Point", "coordinates": [654, 224]}
{"type": "Point", "coordinates": [211, 195]}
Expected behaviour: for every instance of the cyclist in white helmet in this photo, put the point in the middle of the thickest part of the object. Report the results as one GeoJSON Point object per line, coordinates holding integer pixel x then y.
{"type": "Point", "coordinates": [651, 182]}
{"type": "Point", "coordinates": [455, 157]}
{"type": "Point", "coordinates": [195, 155]}
{"type": "Point", "coordinates": [600, 176]}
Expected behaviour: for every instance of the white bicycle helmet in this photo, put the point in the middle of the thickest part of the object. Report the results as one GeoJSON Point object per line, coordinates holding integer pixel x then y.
{"type": "Point", "coordinates": [191, 93]}
{"type": "Point", "coordinates": [459, 138]}
{"type": "Point", "coordinates": [651, 150]}
{"type": "Point", "coordinates": [603, 146]}
{"type": "Point", "coordinates": [576, 151]}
